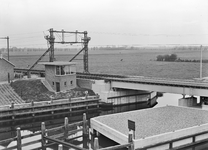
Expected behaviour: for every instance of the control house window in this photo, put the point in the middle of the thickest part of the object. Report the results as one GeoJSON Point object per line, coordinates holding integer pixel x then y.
{"type": "Point", "coordinates": [64, 70]}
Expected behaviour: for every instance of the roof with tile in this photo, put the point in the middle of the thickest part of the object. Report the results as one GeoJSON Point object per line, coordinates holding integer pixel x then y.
{"type": "Point", "coordinates": [8, 95]}
{"type": "Point", "coordinates": [1, 58]}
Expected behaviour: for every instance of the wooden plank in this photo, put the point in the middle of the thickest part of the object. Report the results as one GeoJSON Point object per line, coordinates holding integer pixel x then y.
{"type": "Point", "coordinates": [190, 144]}
{"type": "Point", "coordinates": [75, 124]}
{"type": "Point", "coordinates": [74, 131]}
{"type": "Point", "coordinates": [55, 136]}
{"type": "Point", "coordinates": [37, 148]}
{"type": "Point", "coordinates": [8, 140]}
{"type": "Point", "coordinates": [46, 110]}
{"type": "Point", "coordinates": [55, 129]}
{"type": "Point", "coordinates": [32, 142]}
{"type": "Point", "coordinates": [64, 143]}
{"type": "Point", "coordinates": [10, 148]}
{"type": "Point", "coordinates": [116, 147]}
{"type": "Point", "coordinates": [50, 105]}
{"type": "Point", "coordinates": [30, 135]}
{"type": "Point", "coordinates": [49, 115]}
{"type": "Point", "coordinates": [69, 139]}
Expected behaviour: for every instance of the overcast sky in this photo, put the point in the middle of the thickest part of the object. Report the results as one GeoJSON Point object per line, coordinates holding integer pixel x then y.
{"type": "Point", "coordinates": [108, 22]}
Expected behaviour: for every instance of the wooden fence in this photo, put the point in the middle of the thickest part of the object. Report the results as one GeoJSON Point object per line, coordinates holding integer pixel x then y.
{"type": "Point", "coordinates": [59, 136]}
{"type": "Point", "coordinates": [46, 109]}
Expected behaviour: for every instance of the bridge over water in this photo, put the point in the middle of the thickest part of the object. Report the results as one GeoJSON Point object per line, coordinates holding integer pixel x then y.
{"type": "Point", "coordinates": [177, 86]}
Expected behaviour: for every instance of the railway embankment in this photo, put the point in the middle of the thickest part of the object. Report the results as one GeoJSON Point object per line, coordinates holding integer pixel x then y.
{"type": "Point", "coordinates": [35, 90]}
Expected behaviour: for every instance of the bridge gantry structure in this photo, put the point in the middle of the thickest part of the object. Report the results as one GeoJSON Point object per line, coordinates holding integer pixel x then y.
{"type": "Point", "coordinates": [51, 41]}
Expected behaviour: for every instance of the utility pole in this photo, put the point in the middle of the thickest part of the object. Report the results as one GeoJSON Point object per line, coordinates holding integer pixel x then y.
{"type": "Point", "coordinates": [85, 56]}
{"type": "Point", "coordinates": [51, 42]}
{"type": "Point", "coordinates": [8, 47]}
{"type": "Point", "coordinates": [201, 62]}
{"type": "Point", "coordinates": [7, 38]}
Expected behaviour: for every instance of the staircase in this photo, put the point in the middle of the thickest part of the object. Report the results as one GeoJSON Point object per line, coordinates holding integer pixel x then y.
{"type": "Point", "coordinates": [47, 85]}
{"type": "Point", "coordinates": [8, 95]}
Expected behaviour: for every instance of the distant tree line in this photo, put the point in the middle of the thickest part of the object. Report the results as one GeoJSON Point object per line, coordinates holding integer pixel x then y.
{"type": "Point", "coordinates": [174, 58]}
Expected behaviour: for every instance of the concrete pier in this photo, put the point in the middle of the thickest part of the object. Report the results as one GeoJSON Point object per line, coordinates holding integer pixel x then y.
{"type": "Point", "coordinates": [162, 127]}
{"type": "Point", "coordinates": [187, 101]}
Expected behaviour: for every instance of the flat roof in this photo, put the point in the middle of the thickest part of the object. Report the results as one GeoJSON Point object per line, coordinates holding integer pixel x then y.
{"type": "Point", "coordinates": [57, 63]}
{"type": "Point", "coordinates": [151, 122]}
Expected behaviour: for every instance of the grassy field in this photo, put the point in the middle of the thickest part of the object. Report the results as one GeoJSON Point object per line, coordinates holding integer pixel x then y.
{"type": "Point", "coordinates": [132, 62]}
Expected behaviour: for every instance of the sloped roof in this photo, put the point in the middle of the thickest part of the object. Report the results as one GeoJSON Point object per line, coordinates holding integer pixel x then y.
{"type": "Point", "coordinates": [57, 63]}
{"type": "Point", "coordinates": [8, 95]}
{"type": "Point", "coordinates": [7, 61]}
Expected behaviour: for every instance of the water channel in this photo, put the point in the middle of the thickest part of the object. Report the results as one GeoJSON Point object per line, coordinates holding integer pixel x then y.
{"type": "Point", "coordinates": [9, 132]}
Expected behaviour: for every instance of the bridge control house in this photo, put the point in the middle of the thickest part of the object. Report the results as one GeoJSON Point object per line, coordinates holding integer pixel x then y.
{"type": "Point", "coordinates": [60, 75]}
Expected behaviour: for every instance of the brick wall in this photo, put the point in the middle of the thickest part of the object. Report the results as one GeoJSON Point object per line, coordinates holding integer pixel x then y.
{"type": "Point", "coordinates": [67, 82]}
{"type": "Point", "coordinates": [6, 68]}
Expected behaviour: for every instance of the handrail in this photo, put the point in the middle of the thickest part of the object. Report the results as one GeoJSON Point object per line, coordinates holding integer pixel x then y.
{"type": "Point", "coordinates": [49, 105]}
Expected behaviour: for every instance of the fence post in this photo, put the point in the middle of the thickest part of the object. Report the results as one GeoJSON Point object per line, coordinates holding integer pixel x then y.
{"type": "Point", "coordinates": [84, 124]}
{"type": "Point", "coordinates": [96, 144]}
{"type": "Point", "coordinates": [66, 121]}
{"type": "Point", "coordinates": [43, 134]}
{"type": "Point", "coordinates": [12, 107]}
{"type": "Point", "coordinates": [60, 147]}
{"type": "Point", "coordinates": [130, 139]}
{"type": "Point", "coordinates": [19, 140]}
{"type": "Point", "coordinates": [85, 131]}
{"type": "Point", "coordinates": [32, 103]}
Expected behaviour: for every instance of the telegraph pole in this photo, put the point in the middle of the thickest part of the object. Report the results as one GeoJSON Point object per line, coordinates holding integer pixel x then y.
{"type": "Point", "coordinates": [7, 38]}
{"type": "Point", "coordinates": [85, 56]}
{"type": "Point", "coordinates": [51, 42]}
{"type": "Point", "coordinates": [7, 47]}
{"type": "Point", "coordinates": [201, 62]}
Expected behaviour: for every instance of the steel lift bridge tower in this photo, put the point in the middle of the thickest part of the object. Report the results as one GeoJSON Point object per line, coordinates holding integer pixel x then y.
{"type": "Point", "coordinates": [51, 40]}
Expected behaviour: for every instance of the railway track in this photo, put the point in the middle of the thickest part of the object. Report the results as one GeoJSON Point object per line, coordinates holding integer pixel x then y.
{"type": "Point", "coordinates": [138, 79]}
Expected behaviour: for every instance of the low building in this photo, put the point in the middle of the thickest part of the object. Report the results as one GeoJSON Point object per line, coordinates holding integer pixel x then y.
{"type": "Point", "coordinates": [7, 69]}
{"type": "Point", "coordinates": [161, 128]}
{"type": "Point", "coordinates": [60, 75]}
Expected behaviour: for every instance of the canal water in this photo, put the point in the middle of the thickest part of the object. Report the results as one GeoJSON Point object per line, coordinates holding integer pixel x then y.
{"type": "Point", "coordinates": [9, 132]}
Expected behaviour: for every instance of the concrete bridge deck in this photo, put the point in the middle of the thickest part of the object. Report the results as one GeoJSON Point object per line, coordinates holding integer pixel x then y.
{"type": "Point", "coordinates": [177, 86]}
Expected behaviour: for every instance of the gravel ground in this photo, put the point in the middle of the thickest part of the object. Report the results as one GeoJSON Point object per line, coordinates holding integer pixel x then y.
{"type": "Point", "coordinates": [156, 121]}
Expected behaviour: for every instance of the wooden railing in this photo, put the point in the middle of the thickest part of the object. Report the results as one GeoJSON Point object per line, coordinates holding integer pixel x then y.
{"type": "Point", "coordinates": [59, 136]}
{"type": "Point", "coordinates": [54, 108]}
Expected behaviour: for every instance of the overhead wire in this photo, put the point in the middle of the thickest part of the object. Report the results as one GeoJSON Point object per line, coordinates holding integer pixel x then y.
{"type": "Point", "coordinates": [21, 36]}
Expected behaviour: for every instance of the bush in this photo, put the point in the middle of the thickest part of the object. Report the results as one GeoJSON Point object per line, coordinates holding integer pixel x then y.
{"type": "Point", "coordinates": [172, 57]}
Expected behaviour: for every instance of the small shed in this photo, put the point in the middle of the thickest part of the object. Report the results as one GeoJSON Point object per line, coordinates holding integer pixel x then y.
{"type": "Point", "coordinates": [60, 75]}
{"type": "Point", "coordinates": [7, 69]}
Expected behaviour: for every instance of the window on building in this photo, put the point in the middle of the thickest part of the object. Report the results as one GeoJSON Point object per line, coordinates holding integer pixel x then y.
{"type": "Point", "coordinates": [64, 83]}
{"type": "Point", "coordinates": [53, 83]}
{"type": "Point", "coordinates": [64, 70]}
{"type": "Point", "coordinates": [71, 82]}
{"type": "Point", "coordinates": [58, 70]}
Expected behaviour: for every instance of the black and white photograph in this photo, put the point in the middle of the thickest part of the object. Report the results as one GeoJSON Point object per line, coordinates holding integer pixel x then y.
{"type": "Point", "coordinates": [103, 74]}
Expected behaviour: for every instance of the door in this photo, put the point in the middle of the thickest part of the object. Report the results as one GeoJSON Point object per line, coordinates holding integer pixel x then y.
{"type": "Point", "coordinates": [57, 86]}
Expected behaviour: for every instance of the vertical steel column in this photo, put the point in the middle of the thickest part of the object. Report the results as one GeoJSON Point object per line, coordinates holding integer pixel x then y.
{"type": "Point", "coordinates": [85, 56]}
{"type": "Point", "coordinates": [51, 42]}
{"type": "Point", "coordinates": [7, 47]}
